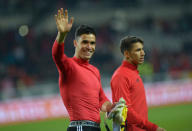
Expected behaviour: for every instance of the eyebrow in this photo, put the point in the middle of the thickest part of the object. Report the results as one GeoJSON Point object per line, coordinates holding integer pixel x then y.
{"type": "Point", "coordinates": [138, 49]}
{"type": "Point", "coordinates": [86, 41]}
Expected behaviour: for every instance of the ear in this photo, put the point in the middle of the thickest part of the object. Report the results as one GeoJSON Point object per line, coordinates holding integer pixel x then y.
{"type": "Point", "coordinates": [75, 43]}
{"type": "Point", "coordinates": [126, 54]}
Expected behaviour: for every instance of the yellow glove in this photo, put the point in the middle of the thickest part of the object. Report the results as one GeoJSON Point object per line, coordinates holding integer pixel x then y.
{"type": "Point", "coordinates": [119, 112]}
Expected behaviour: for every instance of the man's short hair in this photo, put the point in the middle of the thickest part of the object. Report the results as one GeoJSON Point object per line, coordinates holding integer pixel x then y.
{"type": "Point", "coordinates": [84, 29]}
{"type": "Point", "coordinates": [128, 41]}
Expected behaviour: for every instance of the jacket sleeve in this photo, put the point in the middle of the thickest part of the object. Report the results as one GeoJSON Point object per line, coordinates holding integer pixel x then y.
{"type": "Point", "coordinates": [121, 88]}
{"type": "Point", "coordinates": [61, 60]}
{"type": "Point", "coordinates": [102, 97]}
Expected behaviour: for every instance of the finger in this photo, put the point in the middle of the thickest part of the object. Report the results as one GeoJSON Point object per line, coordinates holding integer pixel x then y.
{"type": "Point", "coordinates": [62, 14]}
{"type": "Point", "coordinates": [56, 18]}
{"type": "Point", "coordinates": [120, 105]}
{"type": "Point", "coordinates": [59, 14]}
{"type": "Point", "coordinates": [66, 14]}
{"type": "Point", "coordinates": [71, 20]}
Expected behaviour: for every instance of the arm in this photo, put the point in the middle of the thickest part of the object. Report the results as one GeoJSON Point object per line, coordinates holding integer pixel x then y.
{"type": "Point", "coordinates": [104, 103]}
{"type": "Point", "coordinates": [63, 28]}
{"type": "Point", "coordinates": [121, 88]}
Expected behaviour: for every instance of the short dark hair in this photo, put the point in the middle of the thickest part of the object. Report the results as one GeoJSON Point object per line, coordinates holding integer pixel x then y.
{"type": "Point", "coordinates": [128, 41]}
{"type": "Point", "coordinates": [84, 29]}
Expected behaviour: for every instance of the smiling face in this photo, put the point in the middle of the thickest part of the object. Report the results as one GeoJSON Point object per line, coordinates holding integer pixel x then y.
{"type": "Point", "coordinates": [136, 54]}
{"type": "Point", "coordinates": [85, 46]}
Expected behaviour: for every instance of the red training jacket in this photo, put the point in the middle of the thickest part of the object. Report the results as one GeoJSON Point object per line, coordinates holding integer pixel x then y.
{"type": "Point", "coordinates": [127, 83]}
{"type": "Point", "coordinates": [80, 86]}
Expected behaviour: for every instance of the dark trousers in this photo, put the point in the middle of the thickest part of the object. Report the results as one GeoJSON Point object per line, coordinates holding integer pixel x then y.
{"type": "Point", "coordinates": [83, 128]}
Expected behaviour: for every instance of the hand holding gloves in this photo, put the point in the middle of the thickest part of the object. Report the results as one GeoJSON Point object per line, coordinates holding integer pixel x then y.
{"type": "Point", "coordinates": [119, 112]}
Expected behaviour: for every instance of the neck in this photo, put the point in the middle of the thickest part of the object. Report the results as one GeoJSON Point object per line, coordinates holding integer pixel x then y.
{"type": "Point", "coordinates": [131, 62]}
{"type": "Point", "coordinates": [77, 56]}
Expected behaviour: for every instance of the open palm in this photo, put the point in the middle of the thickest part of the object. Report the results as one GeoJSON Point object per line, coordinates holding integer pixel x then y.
{"type": "Point", "coordinates": [63, 26]}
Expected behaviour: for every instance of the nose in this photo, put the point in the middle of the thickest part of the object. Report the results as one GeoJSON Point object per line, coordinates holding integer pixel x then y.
{"type": "Point", "coordinates": [89, 45]}
{"type": "Point", "coordinates": [143, 53]}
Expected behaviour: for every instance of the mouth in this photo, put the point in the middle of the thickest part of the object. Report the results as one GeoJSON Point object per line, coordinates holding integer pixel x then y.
{"type": "Point", "coordinates": [88, 53]}
{"type": "Point", "coordinates": [142, 59]}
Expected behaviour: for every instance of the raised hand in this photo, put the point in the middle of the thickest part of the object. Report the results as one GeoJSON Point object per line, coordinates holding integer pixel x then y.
{"type": "Point", "coordinates": [63, 25]}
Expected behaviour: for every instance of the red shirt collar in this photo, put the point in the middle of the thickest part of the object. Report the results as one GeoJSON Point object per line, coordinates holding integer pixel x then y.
{"type": "Point", "coordinates": [81, 61]}
{"type": "Point", "coordinates": [129, 65]}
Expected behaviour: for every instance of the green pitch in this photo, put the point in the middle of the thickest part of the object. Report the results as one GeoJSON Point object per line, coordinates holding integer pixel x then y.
{"type": "Point", "coordinates": [173, 118]}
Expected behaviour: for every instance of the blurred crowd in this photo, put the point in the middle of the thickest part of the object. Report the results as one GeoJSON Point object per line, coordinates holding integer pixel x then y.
{"type": "Point", "coordinates": [25, 61]}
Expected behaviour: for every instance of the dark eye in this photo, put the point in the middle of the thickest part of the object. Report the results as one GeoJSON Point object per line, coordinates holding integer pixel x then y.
{"type": "Point", "coordinates": [138, 49]}
{"type": "Point", "coordinates": [85, 41]}
{"type": "Point", "coordinates": [92, 43]}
